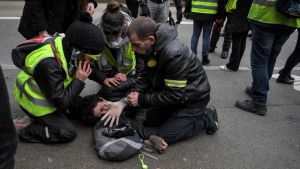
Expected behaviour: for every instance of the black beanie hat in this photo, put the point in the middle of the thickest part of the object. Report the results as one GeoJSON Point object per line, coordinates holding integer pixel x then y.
{"type": "Point", "coordinates": [85, 36]}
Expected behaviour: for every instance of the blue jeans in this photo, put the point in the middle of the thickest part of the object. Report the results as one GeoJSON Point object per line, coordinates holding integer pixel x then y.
{"type": "Point", "coordinates": [264, 51]}
{"type": "Point", "coordinates": [8, 135]}
{"type": "Point", "coordinates": [197, 28]}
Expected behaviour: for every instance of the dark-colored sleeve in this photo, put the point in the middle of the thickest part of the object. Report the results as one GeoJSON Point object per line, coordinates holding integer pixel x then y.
{"type": "Point", "coordinates": [50, 78]}
{"type": "Point", "coordinates": [37, 15]}
{"type": "Point", "coordinates": [97, 75]}
{"type": "Point", "coordinates": [221, 9]}
{"type": "Point", "coordinates": [94, 2]}
{"type": "Point", "coordinates": [139, 65]}
{"type": "Point", "coordinates": [142, 85]}
{"type": "Point", "coordinates": [188, 6]}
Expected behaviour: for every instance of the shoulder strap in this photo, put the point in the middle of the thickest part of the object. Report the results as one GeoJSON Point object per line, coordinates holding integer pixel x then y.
{"type": "Point", "coordinates": [52, 44]}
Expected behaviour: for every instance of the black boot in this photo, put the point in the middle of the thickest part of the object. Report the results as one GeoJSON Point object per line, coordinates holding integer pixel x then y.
{"type": "Point", "coordinates": [289, 74]}
{"type": "Point", "coordinates": [284, 78]}
{"type": "Point", "coordinates": [214, 40]}
{"type": "Point", "coordinates": [205, 60]}
{"type": "Point", "coordinates": [224, 54]}
{"type": "Point", "coordinates": [213, 122]}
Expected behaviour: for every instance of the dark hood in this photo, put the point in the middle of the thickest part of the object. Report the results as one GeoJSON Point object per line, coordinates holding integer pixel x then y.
{"type": "Point", "coordinates": [164, 35]}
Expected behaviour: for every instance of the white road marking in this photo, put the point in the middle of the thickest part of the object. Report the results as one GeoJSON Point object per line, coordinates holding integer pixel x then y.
{"type": "Point", "coordinates": [10, 18]}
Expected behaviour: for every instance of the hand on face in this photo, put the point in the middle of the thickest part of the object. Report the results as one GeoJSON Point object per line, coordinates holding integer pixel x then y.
{"type": "Point", "coordinates": [83, 71]}
{"type": "Point", "coordinates": [101, 108]}
{"type": "Point", "coordinates": [132, 98]}
{"type": "Point", "coordinates": [115, 109]}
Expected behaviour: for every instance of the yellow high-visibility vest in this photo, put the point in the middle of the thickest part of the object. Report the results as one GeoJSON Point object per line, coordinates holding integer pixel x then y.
{"type": "Point", "coordinates": [27, 92]}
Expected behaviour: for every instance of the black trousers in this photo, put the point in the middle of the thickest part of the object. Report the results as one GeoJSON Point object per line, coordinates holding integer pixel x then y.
{"type": "Point", "coordinates": [294, 58]}
{"type": "Point", "coordinates": [51, 128]}
{"type": "Point", "coordinates": [238, 49]}
{"type": "Point", "coordinates": [133, 6]}
{"type": "Point", "coordinates": [178, 123]}
{"type": "Point", "coordinates": [8, 135]}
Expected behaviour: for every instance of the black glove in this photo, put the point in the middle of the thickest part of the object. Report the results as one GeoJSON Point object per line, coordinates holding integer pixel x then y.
{"type": "Point", "coordinates": [171, 21]}
{"type": "Point", "coordinates": [179, 15]}
{"type": "Point", "coordinates": [186, 15]}
{"type": "Point", "coordinates": [144, 10]}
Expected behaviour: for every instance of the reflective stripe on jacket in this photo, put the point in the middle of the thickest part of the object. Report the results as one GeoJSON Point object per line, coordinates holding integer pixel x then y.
{"type": "Point", "coordinates": [27, 92]}
{"type": "Point", "coordinates": [128, 60]}
{"type": "Point", "coordinates": [205, 6]}
{"type": "Point", "coordinates": [264, 11]}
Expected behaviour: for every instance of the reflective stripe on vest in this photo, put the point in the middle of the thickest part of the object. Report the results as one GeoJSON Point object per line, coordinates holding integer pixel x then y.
{"type": "Point", "coordinates": [205, 6]}
{"type": "Point", "coordinates": [26, 91]}
{"type": "Point", "coordinates": [175, 83]}
{"type": "Point", "coordinates": [264, 11]}
{"type": "Point", "coordinates": [128, 61]}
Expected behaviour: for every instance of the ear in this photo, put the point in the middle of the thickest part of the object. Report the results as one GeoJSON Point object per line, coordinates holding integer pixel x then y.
{"type": "Point", "coordinates": [151, 39]}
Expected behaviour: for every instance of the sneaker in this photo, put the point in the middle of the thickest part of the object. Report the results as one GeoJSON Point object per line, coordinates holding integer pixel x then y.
{"type": "Point", "coordinates": [205, 61]}
{"type": "Point", "coordinates": [21, 123]}
{"type": "Point", "coordinates": [224, 67]}
{"type": "Point", "coordinates": [213, 124]}
{"type": "Point", "coordinates": [249, 91]}
{"type": "Point", "coordinates": [224, 54]}
{"type": "Point", "coordinates": [249, 106]}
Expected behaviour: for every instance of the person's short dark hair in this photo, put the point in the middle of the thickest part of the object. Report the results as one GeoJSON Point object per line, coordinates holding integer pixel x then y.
{"type": "Point", "coordinates": [88, 104]}
{"type": "Point", "coordinates": [143, 27]}
{"type": "Point", "coordinates": [113, 19]}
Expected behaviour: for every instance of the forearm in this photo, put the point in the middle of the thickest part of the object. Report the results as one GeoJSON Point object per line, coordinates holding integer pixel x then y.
{"type": "Point", "coordinates": [97, 75]}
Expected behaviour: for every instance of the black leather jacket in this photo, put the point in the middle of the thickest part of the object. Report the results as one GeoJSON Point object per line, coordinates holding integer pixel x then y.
{"type": "Point", "coordinates": [175, 61]}
{"type": "Point", "coordinates": [51, 15]}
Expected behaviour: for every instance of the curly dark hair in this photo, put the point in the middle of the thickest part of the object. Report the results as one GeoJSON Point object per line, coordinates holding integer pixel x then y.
{"type": "Point", "coordinates": [88, 104]}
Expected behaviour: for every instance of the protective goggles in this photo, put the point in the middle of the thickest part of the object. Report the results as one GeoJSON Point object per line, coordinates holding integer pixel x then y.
{"type": "Point", "coordinates": [95, 57]}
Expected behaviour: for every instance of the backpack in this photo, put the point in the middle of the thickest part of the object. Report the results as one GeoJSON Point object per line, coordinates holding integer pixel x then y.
{"type": "Point", "coordinates": [20, 52]}
{"type": "Point", "coordinates": [127, 142]}
{"type": "Point", "coordinates": [288, 8]}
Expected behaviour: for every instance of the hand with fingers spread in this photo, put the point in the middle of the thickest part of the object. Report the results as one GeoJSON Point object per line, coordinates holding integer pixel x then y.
{"type": "Point", "coordinates": [132, 98]}
{"type": "Point", "coordinates": [115, 110]}
{"type": "Point", "coordinates": [120, 77]}
{"type": "Point", "coordinates": [83, 71]}
{"type": "Point", "coordinates": [111, 81]}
